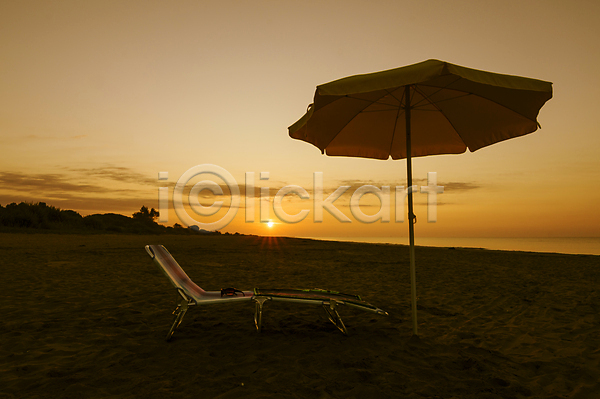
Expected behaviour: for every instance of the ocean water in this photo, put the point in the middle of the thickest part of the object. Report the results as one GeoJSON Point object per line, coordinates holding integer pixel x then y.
{"type": "Point", "coordinates": [568, 245]}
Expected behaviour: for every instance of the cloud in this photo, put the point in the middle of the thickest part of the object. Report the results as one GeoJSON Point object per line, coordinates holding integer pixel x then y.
{"type": "Point", "coordinates": [113, 188]}
{"type": "Point", "coordinates": [354, 184]}
{"type": "Point", "coordinates": [84, 189]}
{"type": "Point", "coordinates": [115, 173]}
{"type": "Point", "coordinates": [448, 186]}
{"type": "Point", "coordinates": [45, 182]}
{"type": "Point", "coordinates": [460, 186]}
{"type": "Point", "coordinates": [67, 191]}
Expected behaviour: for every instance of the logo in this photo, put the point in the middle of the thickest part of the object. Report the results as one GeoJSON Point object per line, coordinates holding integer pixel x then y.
{"type": "Point", "coordinates": [320, 204]}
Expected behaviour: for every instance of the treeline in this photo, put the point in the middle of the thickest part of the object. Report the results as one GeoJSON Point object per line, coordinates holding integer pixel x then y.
{"type": "Point", "coordinates": [42, 217]}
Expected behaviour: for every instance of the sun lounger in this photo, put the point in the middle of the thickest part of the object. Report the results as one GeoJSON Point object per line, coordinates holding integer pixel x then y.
{"type": "Point", "coordinates": [191, 294]}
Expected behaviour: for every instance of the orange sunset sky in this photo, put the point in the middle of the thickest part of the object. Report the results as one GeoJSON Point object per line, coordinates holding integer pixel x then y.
{"type": "Point", "coordinates": [98, 97]}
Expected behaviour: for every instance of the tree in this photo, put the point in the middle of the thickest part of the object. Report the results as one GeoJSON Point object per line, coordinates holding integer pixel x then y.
{"type": "Point", "coordinates": [145, 214]}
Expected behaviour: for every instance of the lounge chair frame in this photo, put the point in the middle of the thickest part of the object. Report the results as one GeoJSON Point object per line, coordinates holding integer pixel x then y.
{"type": "Point", "coordinates": [189, 294]}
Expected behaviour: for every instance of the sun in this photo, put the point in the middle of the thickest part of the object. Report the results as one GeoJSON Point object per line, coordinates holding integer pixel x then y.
{"type": "Point", "coordinates": [270, 224]}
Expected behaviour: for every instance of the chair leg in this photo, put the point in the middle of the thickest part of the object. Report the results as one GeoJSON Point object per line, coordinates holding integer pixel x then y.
{"type": "Point", "coordinates": [178, 314]}
{"type": "Point", "coordinates": [334, 316]}
{"type": "Point", "coordinates": [258, 312]}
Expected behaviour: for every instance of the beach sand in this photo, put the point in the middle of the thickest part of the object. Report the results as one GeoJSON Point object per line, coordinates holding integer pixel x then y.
{"type": "Point", "coordinates": [85, 316]}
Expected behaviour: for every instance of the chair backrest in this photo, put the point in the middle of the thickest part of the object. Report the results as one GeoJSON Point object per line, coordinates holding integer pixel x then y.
{"type": "Point", "coordinates": [173, 271]}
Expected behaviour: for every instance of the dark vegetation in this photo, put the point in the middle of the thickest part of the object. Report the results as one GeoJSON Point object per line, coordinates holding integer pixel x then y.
{"type": "Point", "coordinates": [25, 217]}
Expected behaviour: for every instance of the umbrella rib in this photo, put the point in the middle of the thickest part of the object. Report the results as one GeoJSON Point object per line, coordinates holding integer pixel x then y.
{"type": "Point", "coordinates": [440, 88]}
{"type": "Point", "coordinates": [394, 106]}
{"type": "Point", "coordinates": [468, 93]}
{"type": "Point", "coordinates": [397, 116]}
{"type": "Point", "coordinates": [426, 97]}
{"type": "Point", "coordinates": [434, 104]}
{"type": "Point", "coordinates": [394, 131]}
{"type": "Point", "coordinates": [351, 119]}
{"type": "Point", "coordinates": [431, 102]}
{"type": "Point", "coordinates": [391, 93]}
{"type": "Point", "coordinates": [384, 110]}
{"type": "Point", "coordinates": [371, 101]}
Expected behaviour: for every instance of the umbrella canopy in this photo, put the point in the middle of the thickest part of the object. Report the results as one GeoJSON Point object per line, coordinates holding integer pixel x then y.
{"type": "Point", "coordinates": [428, 108]}
{"type": "Point", "coordinates": [452, 108]}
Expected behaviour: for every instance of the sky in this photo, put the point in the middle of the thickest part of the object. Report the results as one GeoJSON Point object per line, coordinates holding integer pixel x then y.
{"type": "Point", "coordinates": [98, 97]}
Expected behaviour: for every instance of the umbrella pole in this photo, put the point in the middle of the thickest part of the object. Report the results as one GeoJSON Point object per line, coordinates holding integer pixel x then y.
{"type": "Point", "coordinates": [411, 215]}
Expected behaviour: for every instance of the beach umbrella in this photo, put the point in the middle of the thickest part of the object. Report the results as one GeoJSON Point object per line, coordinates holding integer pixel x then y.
{"type": "Point", "coordinates": [428, 108]}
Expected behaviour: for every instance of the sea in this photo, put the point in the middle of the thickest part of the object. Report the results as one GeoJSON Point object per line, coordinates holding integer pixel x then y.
{"type": "Point", "coordinates": [565, 245]}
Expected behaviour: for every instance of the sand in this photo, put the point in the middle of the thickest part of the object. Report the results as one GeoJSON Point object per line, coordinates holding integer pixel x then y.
{"type": "Point", "coordinates": [85, 317]}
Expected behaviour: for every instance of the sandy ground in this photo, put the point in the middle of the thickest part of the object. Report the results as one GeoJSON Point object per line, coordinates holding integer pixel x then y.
{"type": "Point", "coordinates": [86, 316]}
